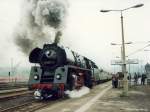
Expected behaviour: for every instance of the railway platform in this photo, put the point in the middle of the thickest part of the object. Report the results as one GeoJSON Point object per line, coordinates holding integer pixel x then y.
{"type": "Point", "coordinates": [138, 100]}
{"type": "Point", "coordinates": [104, 98]}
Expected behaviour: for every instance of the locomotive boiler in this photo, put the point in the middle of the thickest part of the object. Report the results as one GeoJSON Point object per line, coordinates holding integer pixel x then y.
{"type": "Point", "coordinates": [58, 69]}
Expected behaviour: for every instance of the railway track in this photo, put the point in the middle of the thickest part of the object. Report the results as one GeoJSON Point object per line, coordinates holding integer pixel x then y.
{"type": "Point", "coordinates": [8, 94]}
{"type": "Point", "coordinates": [31, 106]}
{"type": "Point", "coordinates": [22, 101]}
{"type": "Point", "coordinates": [8, 86]}
{"type": "Point", "coordinates": [13, 98]}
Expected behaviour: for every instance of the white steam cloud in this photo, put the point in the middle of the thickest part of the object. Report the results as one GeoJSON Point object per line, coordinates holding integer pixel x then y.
{"type": "Point", "coordinates": [78, 93]}
{"type": "Point", "coordinates": [41, 21]}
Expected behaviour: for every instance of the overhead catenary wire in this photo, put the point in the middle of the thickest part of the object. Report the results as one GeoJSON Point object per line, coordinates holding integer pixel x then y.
{"type": "Point", "coordinates": [141, 49]}
{"type": "Point", "coordinates": [141, 42]}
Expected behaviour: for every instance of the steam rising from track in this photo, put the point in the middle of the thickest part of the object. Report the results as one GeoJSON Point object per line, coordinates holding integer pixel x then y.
{"type": "Point", "coordinates": [42, 21]}
{"type": "Point", "coordinates": [78, 93]}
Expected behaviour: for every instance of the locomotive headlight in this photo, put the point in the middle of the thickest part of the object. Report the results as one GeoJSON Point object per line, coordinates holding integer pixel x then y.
{"type": "Point", "coordinates": [50, 54]}
{"type": "Point", "coordinates": [58, 76]}
{"type": "Point", "coordinates": [36, 77]}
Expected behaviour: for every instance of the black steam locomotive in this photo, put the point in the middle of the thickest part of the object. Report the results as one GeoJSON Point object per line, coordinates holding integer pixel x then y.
{"type": "Point", "coordinates": [58, 69]}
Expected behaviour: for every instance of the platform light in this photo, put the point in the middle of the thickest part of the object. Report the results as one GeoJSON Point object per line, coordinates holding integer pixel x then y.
{"type": "Point", "coordinates": [125, 87]}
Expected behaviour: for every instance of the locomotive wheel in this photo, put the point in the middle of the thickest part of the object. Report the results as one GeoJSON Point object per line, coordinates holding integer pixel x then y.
{"type": "Point", "coordinates": [60, 94]}
{"type": "Point", "coordinates": [72, 81]}
{"type": "Point", "coordinates": [76, 81]}
{"type": "Point", "coordinates": [45, 96]}
{"type": "Point", "coordinates": [88, 80]}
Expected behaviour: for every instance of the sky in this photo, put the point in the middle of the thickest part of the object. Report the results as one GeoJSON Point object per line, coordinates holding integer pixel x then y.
{"type": "Point", "coordinates": [87, 31]}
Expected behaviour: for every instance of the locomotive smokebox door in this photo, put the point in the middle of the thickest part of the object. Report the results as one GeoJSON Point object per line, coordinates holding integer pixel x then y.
{"type": "Point", "coordinates": [61, 75]}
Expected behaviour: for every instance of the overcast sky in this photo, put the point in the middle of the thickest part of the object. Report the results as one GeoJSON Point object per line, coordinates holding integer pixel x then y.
{"type": "Point", "coordinates": [88, 31]}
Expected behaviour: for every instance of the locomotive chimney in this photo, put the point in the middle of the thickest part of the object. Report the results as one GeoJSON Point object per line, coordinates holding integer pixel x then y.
{"type": "Point", "coordinates": [57, 37]}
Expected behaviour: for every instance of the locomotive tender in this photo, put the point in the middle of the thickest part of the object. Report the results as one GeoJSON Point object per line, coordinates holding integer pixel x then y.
{"type": "Point", "coordinates": [60, 69]}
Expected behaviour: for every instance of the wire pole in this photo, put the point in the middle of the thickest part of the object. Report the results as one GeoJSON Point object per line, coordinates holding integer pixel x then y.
{"type": "Point", "coordinates": [11, 68]}
{"type": "Point", "coordinates": [125, 80]}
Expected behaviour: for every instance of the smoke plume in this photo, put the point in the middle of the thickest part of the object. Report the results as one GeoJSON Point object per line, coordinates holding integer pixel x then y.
{"type": "Point", "coordinates": [42, 22]}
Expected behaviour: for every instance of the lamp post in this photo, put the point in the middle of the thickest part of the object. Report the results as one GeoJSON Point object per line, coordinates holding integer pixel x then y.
{"type": "Point", "coordinates": [125, 80]}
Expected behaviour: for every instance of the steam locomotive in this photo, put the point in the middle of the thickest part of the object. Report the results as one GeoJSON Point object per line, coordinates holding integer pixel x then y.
{"type": "Point", "coordinates": [58, 69]}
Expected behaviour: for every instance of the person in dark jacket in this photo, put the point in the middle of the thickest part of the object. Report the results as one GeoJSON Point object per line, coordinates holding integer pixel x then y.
{"type": "Point", "coordinates": [135, 79]}
{"type": "Point", "coordinates": [143, 79]}
{"type": "Point", "coordinates": [114, 81]}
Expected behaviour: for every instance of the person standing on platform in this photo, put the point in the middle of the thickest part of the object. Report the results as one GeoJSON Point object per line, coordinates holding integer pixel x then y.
{"type": "Point", "coordinates": [143, 79]}
{"type": "Point", "coordinates": [114, 81]}
{"type": "Point", "coordinates": [135, 79]}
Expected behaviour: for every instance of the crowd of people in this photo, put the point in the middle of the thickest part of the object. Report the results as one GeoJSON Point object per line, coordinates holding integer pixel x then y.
{"type": "Point", "coordinates": [137, 78]}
